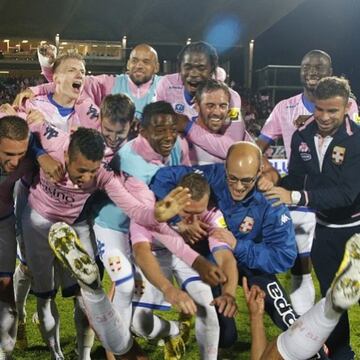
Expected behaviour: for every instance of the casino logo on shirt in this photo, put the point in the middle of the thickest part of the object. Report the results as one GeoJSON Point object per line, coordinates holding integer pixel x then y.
{"type": "Point", "coordinates": [338, 155]}
{"type": "Point", "coordinates": [233, 114]}
{"type": "Point", "coordinates": [247, 225]}
{"type": "Point", "coordinates": [179, 108]}
{"type": "Point", "coordinates": [304, 151]}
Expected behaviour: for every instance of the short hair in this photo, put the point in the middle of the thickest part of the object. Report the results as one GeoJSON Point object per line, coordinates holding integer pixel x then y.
{"type": "Point", "coordinates": [119, 108]}
{"type": "Point", "coordinates": [155, 108]}
{"type": "Point", "coordinates": [14, 128]}
{"type": "Point", "coordinates": [332, 86]}
{"type": "Point", "coordinates": [317, 52]}
{"type": "Point", "coordinates": [200, 47]}
{"type": "Point", "coordinates": [88, 142]}
{"type": "Point", "coordinates": [210, 86]}
{"type": "Point", "coordinates": [70, 54]}
{"type": "Point", "coordinates": [197, 185]}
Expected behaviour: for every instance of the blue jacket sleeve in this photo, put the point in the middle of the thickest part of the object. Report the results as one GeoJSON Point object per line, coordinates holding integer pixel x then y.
{"type": "Point", "coordinates": [35, 148]}
{"type": "Point", "coordinates": [277, 251]}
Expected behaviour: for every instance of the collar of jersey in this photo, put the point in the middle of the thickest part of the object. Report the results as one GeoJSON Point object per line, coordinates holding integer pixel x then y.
{"type": "Point", "coordinates": [310, 106]}
{"type": "Point", "coordinates": [63, 111]}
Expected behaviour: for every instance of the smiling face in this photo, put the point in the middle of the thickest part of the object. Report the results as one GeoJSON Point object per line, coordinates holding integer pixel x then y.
{"type": "Point", "coordinates": [11, 153]}
{"type": "Point", "coordinates": [314, 67]}
{"type": "Point", "coordinates": [114, 132]}
{"type": "Point", "coordinates": [194, 69]}
{"type": "Point", "coordinates": [213, 109]}
{"type": "Point", "coordinates": [69, 79]}
{"type": "Point", "coordinates": [330, 114]}
{"type": "Point", "coordinates": [142, 64]}
{"type": "Point", "coordinates": [161, 133]}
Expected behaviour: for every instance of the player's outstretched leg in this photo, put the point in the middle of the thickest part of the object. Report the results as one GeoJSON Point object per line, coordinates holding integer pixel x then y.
{"type": "Point", "coordinates": [103, 317]}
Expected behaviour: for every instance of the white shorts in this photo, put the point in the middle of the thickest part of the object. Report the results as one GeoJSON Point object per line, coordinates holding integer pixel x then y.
{"type": "Point", "coordinates": [113, 248]}
{"type": "Point", "coordinates": [147, 295]}
{"type": "Point", "coordinates": [304, 225]}
{"type": "Point", "coordinates": [47, 273]}
{"type": "Point", "coordinates": [7, 246]}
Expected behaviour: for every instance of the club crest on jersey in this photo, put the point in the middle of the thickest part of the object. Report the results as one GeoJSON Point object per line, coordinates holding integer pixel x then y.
{"type": "Point", "coordinates": [338, 155]}
{"type": "Point", "coordinates": [114, 264]}
{"type": "Point", "coordinates": [304, 151]}
{"type": "Point", "coordinates": [139, 287]}
{"type": "Point", "coordinates": [247, 225]}
{"type": "Point", "coordinates": [179, 108]}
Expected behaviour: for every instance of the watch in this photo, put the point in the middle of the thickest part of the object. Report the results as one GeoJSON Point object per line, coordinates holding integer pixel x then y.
{"type": "Point", "coordinates": [295, 197]}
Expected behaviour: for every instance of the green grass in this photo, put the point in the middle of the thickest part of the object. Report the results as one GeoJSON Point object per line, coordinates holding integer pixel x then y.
{"type": "Point", "coordinates": [240, 351]}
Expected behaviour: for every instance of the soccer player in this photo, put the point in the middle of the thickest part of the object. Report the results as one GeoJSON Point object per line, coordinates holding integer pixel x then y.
{"type": "Point", "coordinates": [64, 201]}
{"type": "Point", "coordinates": [324, 159]}
{"type": "Point", "coordinates": [308, 334]}
{"type": "Point", "coordinates": [158, 265]}
{"type": "Point", "coordinates": [262, 235]}
{"type": "Point", "coordinates": [287, 116]}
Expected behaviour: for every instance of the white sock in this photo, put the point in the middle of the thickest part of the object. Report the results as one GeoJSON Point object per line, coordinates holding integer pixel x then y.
{"type": "Point", "coordinates": [8, 327]}
{"type": "Point", "coordinates": [207, 328]}
{"type": "Point", "coordinates": [308, 334]}
{"type": "Point", "coordinates": [145, 323]}
{"type": "Point", "coordinates": [123, 301]}
{"type": "Point", "coordinates": [303, 293]}
{"type": "Point", "coordinates": [106, 322]}
{"type": "Point", "coordinates": [50, 325]}
{"type": "Point", "coordinates": [22, 284]}
{"type": "Point", "coordinates": [84, 333]}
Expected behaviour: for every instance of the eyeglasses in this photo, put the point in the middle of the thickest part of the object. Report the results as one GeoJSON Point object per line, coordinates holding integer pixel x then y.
{"type": "Point", "coordinates": [244, 181]}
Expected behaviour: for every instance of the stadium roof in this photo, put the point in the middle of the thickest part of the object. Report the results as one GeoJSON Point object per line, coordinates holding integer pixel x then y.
{"type": "Point", "coordinates": [153, 21]}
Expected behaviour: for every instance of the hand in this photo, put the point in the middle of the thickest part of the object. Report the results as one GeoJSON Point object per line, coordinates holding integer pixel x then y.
{"type": "Point", "coordinates": [49, 51]}
{"type": "Point", "coordinates": [264, 184]}
{"type": "Point", "coordinates": [172, 204]}
{"type": "Point", "coordinates": [254, 299]}
{"type": "Point", "coordinates": [35, 117]}
{"type": "Point", "coordinates": [224, 235]}
{"type": "Point", "coordinates": [282, 195]}
{"type": "Point", "coordinates": [226, 304]}
{"type": "Point", "coordinates": [180, 300]}
{"type": "Point", "coordinates": [301, 120]}
{"type": "Point", "coordinates": [53, 169]}
{"type": "Point", "coordinates": [193, 231]}
{"type": "Point", "coordinates": [23, 96]}
{"type": "Point", "coordinates": [209, 273]}
{"type": "Point", "coordinates": [181, 122]}
{"type": "Point", "coordinates": [7, 109]}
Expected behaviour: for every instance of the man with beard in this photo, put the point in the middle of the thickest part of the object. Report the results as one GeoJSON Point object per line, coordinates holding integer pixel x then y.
{"type": "Point", "coordinates": [287, 116]}
{"type": "Point", "coordinates": [323, 170]}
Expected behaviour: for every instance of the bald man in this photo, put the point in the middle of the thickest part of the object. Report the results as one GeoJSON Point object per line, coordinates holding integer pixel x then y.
{"type": "Point", "coordinates": [138, 83]}
{"type": "Point", "coordinates": [261, 236]}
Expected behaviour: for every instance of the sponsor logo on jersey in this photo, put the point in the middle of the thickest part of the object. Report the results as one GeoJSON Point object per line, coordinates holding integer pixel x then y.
{"type": "Point", "coordinates": [50, 132]}
{"type": "Point", "coordinates": [92, 112]}
{"type": "Point", "coordinates": [179, 108]}
{"type": "Point", "coordinates": [304, 151]}
{"type": "Point", "coordinates": [247, 225]}
{"type": "Point", "coordinates": [57, 194]}
{"type": "Point", "coordinates": [284, 219]}
{"type": "Point", "coordinates": [338, 155]}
